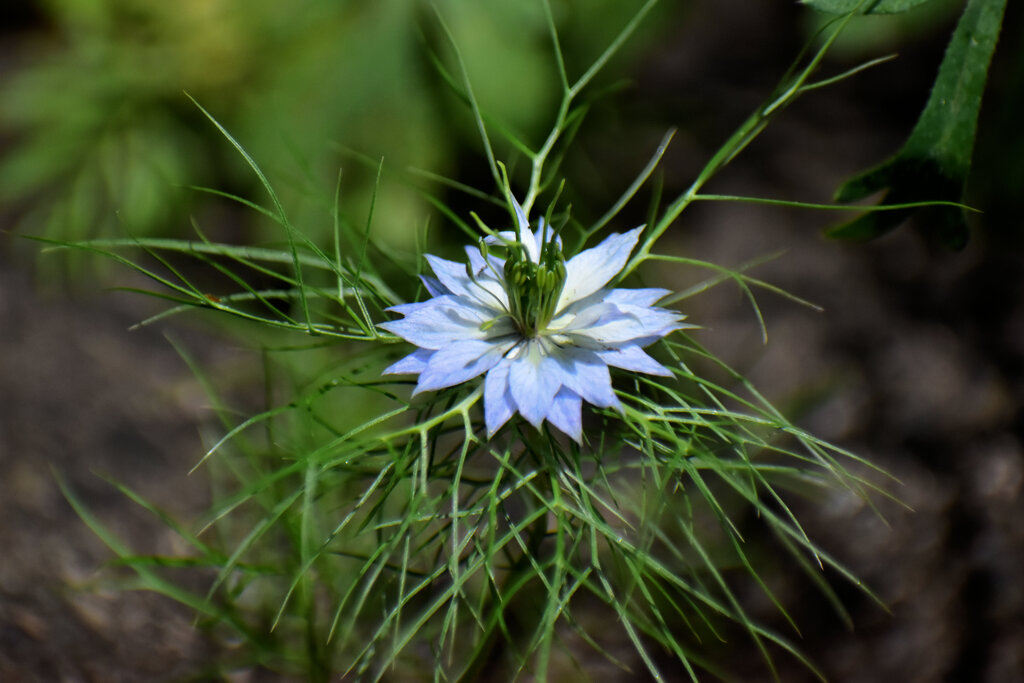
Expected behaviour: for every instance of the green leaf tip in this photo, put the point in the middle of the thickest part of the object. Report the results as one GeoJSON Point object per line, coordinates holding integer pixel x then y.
{"type": "Point", "coordinates": [934, 162]}
{"type": "Point", "coordinates": [863, 6]}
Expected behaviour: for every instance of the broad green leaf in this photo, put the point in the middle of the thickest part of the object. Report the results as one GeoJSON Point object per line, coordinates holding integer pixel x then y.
{"type": "Point", "coordinates": [935, 160]}
{"type": "Point", "coordinates": [865, 6]}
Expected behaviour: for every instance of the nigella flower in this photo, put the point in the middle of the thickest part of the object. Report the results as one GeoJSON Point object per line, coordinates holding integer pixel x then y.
{"type": "Point", "coordinates": [544, 330]}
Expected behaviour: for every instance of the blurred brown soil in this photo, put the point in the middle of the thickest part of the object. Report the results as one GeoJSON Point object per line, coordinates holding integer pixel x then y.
{"type": "Point", "coordinates": [82, 397]}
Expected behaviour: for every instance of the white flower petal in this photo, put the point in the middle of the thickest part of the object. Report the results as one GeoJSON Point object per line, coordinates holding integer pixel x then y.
{"type": "Point", "coordinates": [524, 223]}
{"type": "Point", "coordinates": [413, 364]}
{"type": "Point", "coordinates": [549, 233]}
{"type": "Point", "coordinates": [499, 405]}
{"type": "Point", "coordinates": [459, 362]}
{"type": "Point", "coordinates": [565, 414]}
{"type": "Point", "coordinates": [632, 357]}
{"type": "Point", "coordinates": [533, 380]}
{"type": "Point", "coordinates": [528, 239]}
{"type": "Point", "coordinates": [531, 246]}
{"type": "Point", "coordinates": [591, 269]}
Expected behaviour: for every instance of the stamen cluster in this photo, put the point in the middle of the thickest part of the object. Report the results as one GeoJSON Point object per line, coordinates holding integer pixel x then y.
{"type": "Point", "coordinates": [534, 288]}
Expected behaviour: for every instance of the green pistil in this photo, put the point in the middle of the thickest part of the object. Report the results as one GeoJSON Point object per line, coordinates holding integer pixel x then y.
{"type": "Point", "coordinates": [534, 288]}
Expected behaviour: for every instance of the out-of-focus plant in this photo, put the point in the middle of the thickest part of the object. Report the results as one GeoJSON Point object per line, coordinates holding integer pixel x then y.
{"type": "Point", "coordinates": [103, 140]}
{"type": "Point", "coordinates": [935, 161]}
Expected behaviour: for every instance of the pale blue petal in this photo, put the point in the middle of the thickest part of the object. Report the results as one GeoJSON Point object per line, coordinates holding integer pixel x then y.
{"type": "Point", "coordinates": [591, 269]}
{"type": "Point", "coordinates": [413, 364]}
{"type": "Point", "coordinates": [488, 290]}
{"type": "Point", "coordinates": [406, 309]}
{"type": "Point", "coordinates": [629, 297]}
{"type": "Point", "coordinates": [434, 286]}
{"type": "Point", "coordinates": [485, 290]}
{"type": "Point", "coordinates": [445, 307]}
{"type": "Point", "coordinates": [502, 239]}
{"type": "Point", "coordinates": [632, 357]}
{"type": "Point", "coordinates": [648, 328]}
{"type": "Point", "coordinates": [583, 371]}
{"type": "Point", "coordinates": [531, 245]}
{"type": "Point", "coordinates": [524, 223]}
{"type": "Point", "coordinates": [539, 234]}
{"type": "Point", "coordinates": [565, 414]}
{"type": "Point", "coordinates": [459, 362]}
{"type": "Point", "coordinates": [524, 236]}
{"type": "Point", "coordinates": [499, 405]}
{"type": "Point", "coordinates": [653, 321]}
{"type": "Point", "coordinates": [451, 274]}
{"type": "Point", "coordinates": [496, 268]}
{"type": "Point", "coordinates": [465, 307]}
{"type": "Point", "coordinates": [612, 324]}
{"type": "Point", "coordinates": [609, 329]}
{"type": "Point", "coordinates": [438, 322]}
{"type": "Point", "coordinates": [635, 297]}
{"type": "Point", "coordinates": [476, 259]}
{"type": "Point", "coordinates": [534, 381]}
{"type": "Point", "coordinates": [577, 318]}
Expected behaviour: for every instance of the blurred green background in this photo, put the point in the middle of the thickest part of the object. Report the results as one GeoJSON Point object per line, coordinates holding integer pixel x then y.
{"type": "Point", "coordinates": [100, 139]}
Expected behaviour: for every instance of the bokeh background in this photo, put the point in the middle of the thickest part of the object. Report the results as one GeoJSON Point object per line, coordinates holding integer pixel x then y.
{"type": "Point", "coordinates": [916, 362]}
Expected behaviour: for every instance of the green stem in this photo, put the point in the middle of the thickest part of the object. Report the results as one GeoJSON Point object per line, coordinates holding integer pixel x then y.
{"type": "Point", "coordinates": [482, 667]}
{"type": "Point", "coordinates": [318, 671]}
{"type": "Point", "coordinates": [737, 142]}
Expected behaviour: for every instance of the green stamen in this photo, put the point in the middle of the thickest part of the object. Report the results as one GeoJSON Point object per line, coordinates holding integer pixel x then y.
{"type": "Point", "coordinates": [534, 288]}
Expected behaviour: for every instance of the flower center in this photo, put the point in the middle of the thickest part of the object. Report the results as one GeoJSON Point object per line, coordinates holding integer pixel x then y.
{"type": "Point", "coordinates": [533, 288]}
